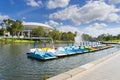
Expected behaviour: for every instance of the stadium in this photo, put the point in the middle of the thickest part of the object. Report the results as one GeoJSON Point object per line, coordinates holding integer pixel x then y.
{"type": "Point", "coordinates": [28, 26]}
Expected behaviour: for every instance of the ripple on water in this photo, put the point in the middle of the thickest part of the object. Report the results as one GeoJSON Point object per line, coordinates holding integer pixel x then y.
{"type": "Point", "coordinates": [14, 64]}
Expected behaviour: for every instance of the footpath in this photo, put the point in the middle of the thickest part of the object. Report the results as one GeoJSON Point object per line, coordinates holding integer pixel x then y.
{"type": "Point", "coordinates": [107, 68]}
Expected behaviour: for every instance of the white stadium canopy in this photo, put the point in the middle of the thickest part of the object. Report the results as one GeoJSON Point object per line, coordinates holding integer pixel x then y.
{"type": "Point", "coordinates": [32, 25]}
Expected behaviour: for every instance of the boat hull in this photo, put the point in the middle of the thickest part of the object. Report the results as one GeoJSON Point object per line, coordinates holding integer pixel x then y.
{"type": "Point", "coordinates": [38, 57]}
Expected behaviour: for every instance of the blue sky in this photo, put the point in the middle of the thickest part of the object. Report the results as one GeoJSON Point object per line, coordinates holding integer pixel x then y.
{"type": "Point", "coordinates": [85, 16]}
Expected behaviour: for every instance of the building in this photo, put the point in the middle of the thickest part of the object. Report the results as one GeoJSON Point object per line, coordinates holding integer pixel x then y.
{"type": "Point", "coordinates": [28, 26]}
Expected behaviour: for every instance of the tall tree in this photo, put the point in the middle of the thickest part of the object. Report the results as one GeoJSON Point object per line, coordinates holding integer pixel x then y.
{"type": "Point", "coordinates": [13, 26]}
{"type": "Point", "coordinates": [37, 32]}
{"type": "Point", "coordinates": [109, 37]}
{"type": "Point", "coordinates": [102, 37]}
{"type": "Point", "coordinates": [2, 25]}
{"type": "Point", "coordinates": [118, 36]}
{"type": "Point", "coordinates": [19, 27]}
{"type": "Point", "coordinates": [86, 37]}
{"type": "Point", "coordinates": [55, 34]}
{"type": "Point", "coordinates": [2, 31]}
{"type": "Point", "coordinates": [69, 36]}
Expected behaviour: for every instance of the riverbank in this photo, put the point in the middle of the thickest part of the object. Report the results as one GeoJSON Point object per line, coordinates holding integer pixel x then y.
{"type": "Point", "coordinates": [4, 40]}
{"type": "Point", "coordinates": [75, 74]}
{"type": "Point", "coordinates": [112, 41]}
{"type": "Point", "coordinates": [8, 40]}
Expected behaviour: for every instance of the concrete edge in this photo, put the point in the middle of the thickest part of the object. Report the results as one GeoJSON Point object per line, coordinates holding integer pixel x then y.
{"type": "Point", "coordinates": [73, 72]}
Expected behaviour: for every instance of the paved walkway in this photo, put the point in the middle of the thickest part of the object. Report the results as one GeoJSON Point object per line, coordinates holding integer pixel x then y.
{"type": "Point", "coordinates": [107, 70]}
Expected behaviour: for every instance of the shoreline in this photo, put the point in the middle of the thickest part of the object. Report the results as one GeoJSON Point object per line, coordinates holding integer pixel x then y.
{"type": "Point", "coordinates": [7, 40]}
{"type": "Point", "coordinates": [71, 73]}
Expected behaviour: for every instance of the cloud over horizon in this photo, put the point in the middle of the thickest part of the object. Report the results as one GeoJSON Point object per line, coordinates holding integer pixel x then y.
{"type": "Point", "coordinates": [93, 30]}
{"type": "Point", "coordinates": [97, 29]}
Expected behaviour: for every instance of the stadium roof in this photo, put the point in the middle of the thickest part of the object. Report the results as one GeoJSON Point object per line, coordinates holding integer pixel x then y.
{"type": "Point", "coordinates": [32, 25]}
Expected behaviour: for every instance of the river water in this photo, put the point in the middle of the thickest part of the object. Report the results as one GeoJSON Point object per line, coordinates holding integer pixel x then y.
{"type": "Point", "coordinates": [14, 64]}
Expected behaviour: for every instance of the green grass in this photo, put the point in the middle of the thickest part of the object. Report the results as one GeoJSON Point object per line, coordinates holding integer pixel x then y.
{"type": "Point", "coordinates": [59, 41]}
{"type": "Point", "coordinates": [24, 41]}
{"type": "Point", "coordinates": [113, 41]}
{"type": "Point", "coordinates": [16, 40]}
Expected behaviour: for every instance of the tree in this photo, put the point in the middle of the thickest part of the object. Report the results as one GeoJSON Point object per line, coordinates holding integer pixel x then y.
{"type": "Point", "coordinates": [8, 24]}
{"type": "Point", "coordinates": [86, 37]}
{"type": "Point", "coordinates": [69, 36]}
{"type": "Point", "coordinates": [102, 37]}
{"type": "Point", "coordinates": [118, 36]}
{"type": "Point", "coordinates": [19, 27]}
{"type": "Point", "coordinates": [37, 32]}
{"type": "Point", "coordinates": [2, 31]}
{"type": "Point", "coordinates": [55, 34]}
{"type": "Point", "coordinates": [13, 26]}
{"type": "Point", "coordinates": [2, 25]}
{"type": "Point", "coordinates": [109, 37]}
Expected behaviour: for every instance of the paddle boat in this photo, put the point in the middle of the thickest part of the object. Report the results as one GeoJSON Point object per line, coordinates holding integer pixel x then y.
{"type": "Point", "coordinates": [69, 50]}
{"type": "Point", "coordinates": [41, 54]}
{"type": "Point", "coordinates": [53, 53]}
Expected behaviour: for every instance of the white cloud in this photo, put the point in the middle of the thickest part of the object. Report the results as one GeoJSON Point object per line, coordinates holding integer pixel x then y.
{"type": "Point", "coordinates": [114, 1]}
{"type": "Point", "coordinates": [67, 28]}
{"type": "Point", "coordinates": [34, 3]}
{"type": "Point", "coordinates": [2, 17]}
{"type": "Point", "coordinates": [52, 4]}
{"type": "Point", "coordinates": [113, 17]}
{"type": "Point", "coordinates": [92, 11]}
{"type": "Point", "coordinates": [53, 23]}
{"type": "Point", "coordinates": [97, 26]}
{"type": "Point", "coordinates": [97, 29]}
{"type": "Point", "coordinates": [113, 31]}
{"type": "Point", "coordinates": [65, 14]}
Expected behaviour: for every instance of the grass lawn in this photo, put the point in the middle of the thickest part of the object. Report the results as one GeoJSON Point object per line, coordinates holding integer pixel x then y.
{"type": "Point", "coordinates": [16, 40]}
{"type": "Point", "coordinates": [114, 41]}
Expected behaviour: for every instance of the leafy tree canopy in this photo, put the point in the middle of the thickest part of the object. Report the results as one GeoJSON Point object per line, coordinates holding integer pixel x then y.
{"type": "Point", "coordinates": [38, 32]}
